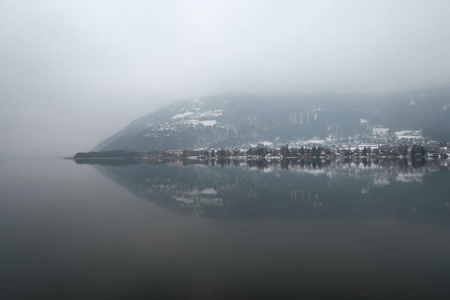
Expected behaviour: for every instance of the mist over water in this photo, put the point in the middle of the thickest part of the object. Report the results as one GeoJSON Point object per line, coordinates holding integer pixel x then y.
{"type": "Point", "coordinates": [72, 74]}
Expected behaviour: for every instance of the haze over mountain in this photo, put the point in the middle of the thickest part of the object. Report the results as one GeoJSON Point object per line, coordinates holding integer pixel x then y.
{"type": "Point", "coordinates": [242, 120]}
{"type": "Point", "coordinates": [73, 73]}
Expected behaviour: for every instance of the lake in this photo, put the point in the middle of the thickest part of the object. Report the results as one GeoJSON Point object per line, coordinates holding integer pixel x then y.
{"type": "Point", "coordinates": [235, 230]}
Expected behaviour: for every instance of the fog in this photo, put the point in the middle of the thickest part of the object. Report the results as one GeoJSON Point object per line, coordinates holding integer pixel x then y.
{"type": "Point", "coordinates": [72, 73]}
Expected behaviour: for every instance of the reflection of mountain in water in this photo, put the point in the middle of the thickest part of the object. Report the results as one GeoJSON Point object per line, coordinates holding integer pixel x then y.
{"type": "Point", "coordinates": [387, 189]}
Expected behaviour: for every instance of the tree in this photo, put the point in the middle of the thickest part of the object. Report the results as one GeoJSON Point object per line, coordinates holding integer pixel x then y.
{"type": "Point", "coordinates": [319, 151]}
{"type": "Point", "coordinates": [364, 152]}
{"type": "Point", "coordinates": [302, 151]}
{"type": "Point", "coordinates": [284, 151]}
{"type": "Point", "coordinates": [421, 150]}
{"type": "Point", "coordinates": [413, 151]}
{"type": "Point", "coordinates": [222, 153]}
{"type": "Point", "coordinates": [261, 150]}
{"type": "Point", "coordinates": [405, 150]}
{"type": "Point", "coordinates": [418, 151]}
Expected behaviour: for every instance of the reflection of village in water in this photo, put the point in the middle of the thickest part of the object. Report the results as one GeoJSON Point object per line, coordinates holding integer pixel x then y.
{"type": "Point", "coordinates": [293, 189]}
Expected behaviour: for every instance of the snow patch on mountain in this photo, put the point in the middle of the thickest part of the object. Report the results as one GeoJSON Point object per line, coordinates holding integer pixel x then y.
{"type": "Point", "coordinates": [210, 114]}
{"type": "Point", "coordinates": [183, 115]}
{"type": "Point", "coordinates": [380, 131]}
{"type": "Point", "coordinates": [204, 122]}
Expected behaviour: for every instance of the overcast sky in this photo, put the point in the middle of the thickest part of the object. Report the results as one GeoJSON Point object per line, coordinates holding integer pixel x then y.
{"type": "Point", "coordinates": [74, 72]}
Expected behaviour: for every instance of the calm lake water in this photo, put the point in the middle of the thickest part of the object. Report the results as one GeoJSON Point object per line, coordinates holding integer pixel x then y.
{"type": "Point", "coordinates": [312, 230]}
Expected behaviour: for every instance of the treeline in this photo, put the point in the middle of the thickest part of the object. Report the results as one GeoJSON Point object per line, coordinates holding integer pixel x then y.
{"type": "Point", "coordinates": [124, 154]}
{"type": "Point", "coordinates": [262, 151]}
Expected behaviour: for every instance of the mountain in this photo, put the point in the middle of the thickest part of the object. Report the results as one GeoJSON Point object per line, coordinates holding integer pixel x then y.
{"type": "Point", "coordinates": [239, 120]}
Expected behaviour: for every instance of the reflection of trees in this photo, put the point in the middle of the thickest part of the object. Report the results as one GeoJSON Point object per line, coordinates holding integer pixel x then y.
{"type": "Point", "coordinates": [311, 188]}
{"type": "Point", "coordinates": [397, 163]}
{"type": "Point", "coordinates": [260, 164]}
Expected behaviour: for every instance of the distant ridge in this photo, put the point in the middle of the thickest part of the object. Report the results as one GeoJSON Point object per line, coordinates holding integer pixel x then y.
{"type": "Point", "coordinates": [242, 120]}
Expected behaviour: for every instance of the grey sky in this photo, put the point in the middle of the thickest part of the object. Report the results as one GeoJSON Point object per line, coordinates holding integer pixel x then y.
{"type": "Point", "coordinates": [74, 72]}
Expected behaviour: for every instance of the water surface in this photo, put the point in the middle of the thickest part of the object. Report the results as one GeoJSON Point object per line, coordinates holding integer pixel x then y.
{"type": "Point", "coordinates": [347, 230]}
